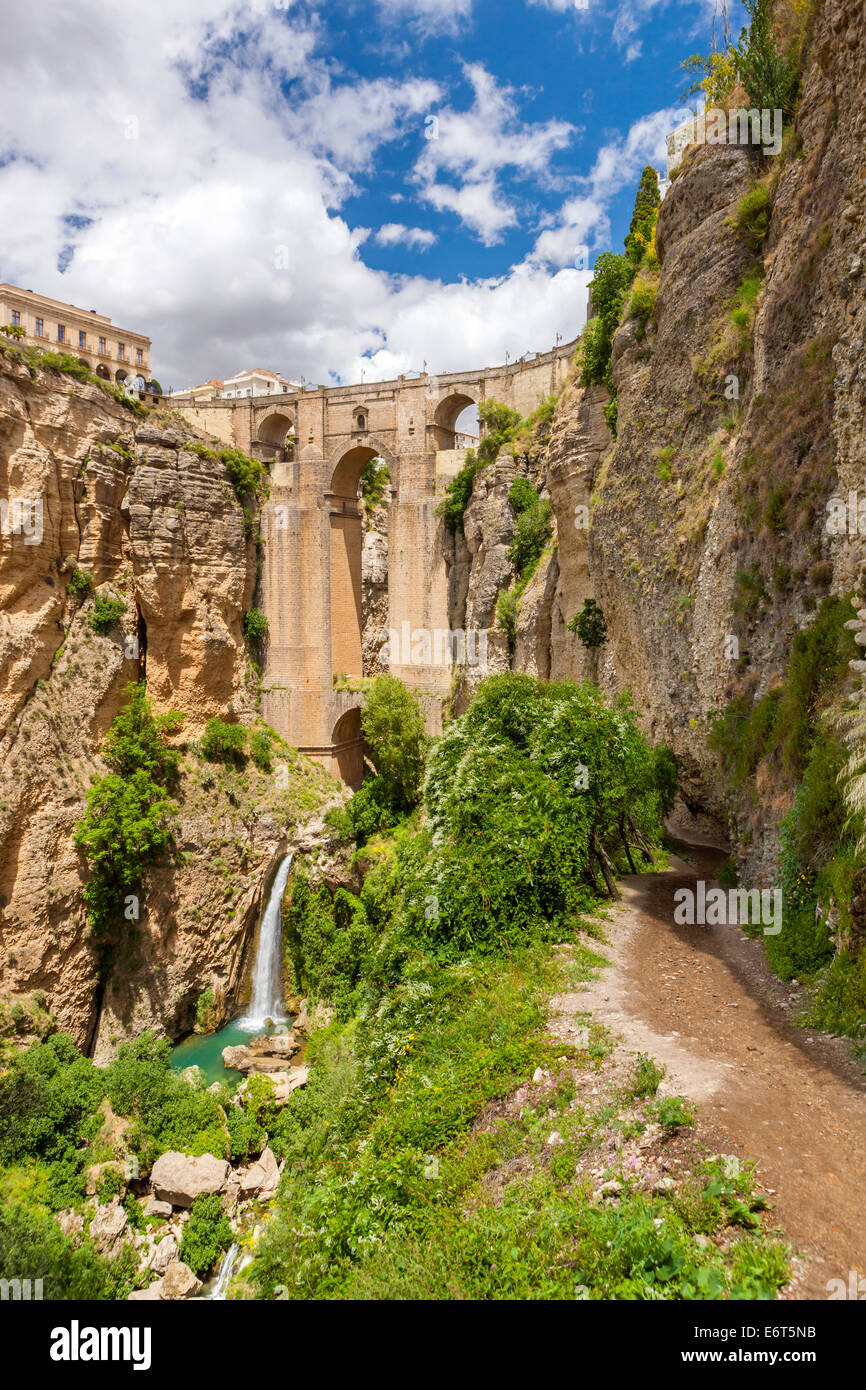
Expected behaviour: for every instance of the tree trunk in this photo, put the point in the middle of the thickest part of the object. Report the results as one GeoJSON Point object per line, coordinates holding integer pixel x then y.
{"type": "Point", "coordinates": [626, 847]}
{"type": "Point", "coordinates": [606, 868]}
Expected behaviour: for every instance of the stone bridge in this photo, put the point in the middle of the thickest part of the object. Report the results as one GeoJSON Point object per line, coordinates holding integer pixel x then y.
{"type": "Point", "coordinates": [317, 442]}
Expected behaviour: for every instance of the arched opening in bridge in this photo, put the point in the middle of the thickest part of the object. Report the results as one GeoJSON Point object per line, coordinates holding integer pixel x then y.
{"type": "Point", "coordinates": [346, 536]}
{"type": "Point", "coordinates": [347, 749]}
{"type": "Point", "coordinates": [451, 418]}
{"type": "Point", "coordinates": [274, 432]}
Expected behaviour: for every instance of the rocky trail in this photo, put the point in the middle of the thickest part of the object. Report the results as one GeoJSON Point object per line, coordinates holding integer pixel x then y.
{"type": "Point", "coordinates": [703, 1002]}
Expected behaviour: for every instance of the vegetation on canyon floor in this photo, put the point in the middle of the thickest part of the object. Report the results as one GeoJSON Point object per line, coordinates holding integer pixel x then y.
{"type": "Point", "coordinates": [441, 1148]}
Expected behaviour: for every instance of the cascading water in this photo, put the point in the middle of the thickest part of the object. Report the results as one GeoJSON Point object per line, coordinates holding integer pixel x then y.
{"type": "Point", "coordinates": [267, 970]}
{"type": "Point", "coordinates": [267, 996]}
{"type": "Point", "coordinates": [266, 1002]}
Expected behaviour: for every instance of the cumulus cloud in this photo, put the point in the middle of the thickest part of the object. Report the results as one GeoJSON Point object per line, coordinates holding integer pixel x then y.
{"type": "Point", "coordinates": [395, 234]}
{"type": "Point", "coordinates": [472, 147]}
{"type": "Point", "coordinates": [188, 168]}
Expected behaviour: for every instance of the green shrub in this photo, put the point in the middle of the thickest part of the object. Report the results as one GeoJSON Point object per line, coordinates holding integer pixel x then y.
{"type": "Point", "coordinates": [393, 728]}
{"type": "Point", "coordinates": [643, 298]}
{"type": "Point", "coordinates": [589, 625]}
{"type": "Point", "coordinates": [458, 492]}
{"type": "Point", "coordinates": [260, 750]}
{"type": "Point", "coordinates": [206, 1235]}
{"type": "Point", "coordinates": [507, 613]}
{"type": "Point", "coordinates": [328, 939]}
{"type": "Point", "coordinates": [224, 743]}
{"type": "Point", "coordinates": [129, 820]}
{"type": "Point", "coordinates": [80, 583]}
{"type": "Point", "coordinates": [107, 613]}
{"type": "Point", "coordinates": [532, 531]}
{"type": "Point", "coordinates": [255, 627]}
{"type": "Point", "coordinates": [32, 1246]}
{"type": "Point", "coordinates": [753, 215]}
{"type": "Point", "coordinates": [522, 496]}
{"type": "Point", "coordinates": [374, 481]}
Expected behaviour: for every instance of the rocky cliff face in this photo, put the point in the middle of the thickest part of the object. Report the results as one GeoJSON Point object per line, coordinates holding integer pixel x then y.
{"type": "Point", "coordinates": [730, 443]}
{"type": "Point", "coordinates": [160, 529]}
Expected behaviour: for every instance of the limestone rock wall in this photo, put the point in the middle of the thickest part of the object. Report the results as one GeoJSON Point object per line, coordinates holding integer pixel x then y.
{"type": "Point", "coordinates": [699, 490]}
{"type": "Point", "coordinates": [160, 529]}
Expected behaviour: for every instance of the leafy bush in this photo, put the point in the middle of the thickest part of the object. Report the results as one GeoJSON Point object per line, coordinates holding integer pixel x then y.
{"type": "Point", "coordinates": [80, 583]}
{"type": "Point", "coordinates": [224, 743]}
{"type": "Point", "coordinates": [32, 1246]}
{"type": "Point", "coordinates": [328, 939]}
{"type": "Point", "coordinates": [393, 727]}
{"type": "Point", "coordinates": [769, 77]}
{"type": "Point", "coordinates": [520, 792]}
{"type": "Point", "coordinates": [458, 492]}
{"type": "Point", "coordinates": [753, 215]}
{"type": "Point", "coordinates": [260, 750]}
{"type": "Point", "coordinates": [107, 613]}
{"type": "Point", "coordinates": [374, 481]}
{"type": "Point", "coordinates": [590, 625]}
{"type": "Point", "coordinates": [206, 1235]}
{"type": "Point", "coordinates": [128, 822]}
{"type": "Point", "coordinates": [531, 533]}
{"type": "Point", "coordinates": [643, 298]}
{"type": "Point", "coordinates": [255, 627]}
{"type": "Point", "coordinates": [521, 496]}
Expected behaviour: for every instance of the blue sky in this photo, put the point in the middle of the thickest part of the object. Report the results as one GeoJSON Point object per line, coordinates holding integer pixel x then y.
{"type": "Point", "coordinates": [252, 182]}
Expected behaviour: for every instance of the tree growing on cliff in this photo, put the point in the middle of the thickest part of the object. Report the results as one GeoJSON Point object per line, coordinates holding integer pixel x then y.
{"type": "Point", "coordinates": [643, 219]}
{"type": "Point", "coordinates": [129, 818]}
{"type": "Point", "coordinates": [590, 625]}
{"type": "Point", "coordinates": [393, 726]}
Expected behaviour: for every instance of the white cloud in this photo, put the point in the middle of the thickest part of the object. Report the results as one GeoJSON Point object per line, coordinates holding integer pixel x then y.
{"type": "Point", "coordinates": [474, 146]}
{"type": "Point", "coordinates": [633, 51]}
{"type": "Point", "coordinates": [221, 229]}
{"type": "Point", "coordinates": [429, 16]}
{"type": "Point", "coordinates": [395, 234]}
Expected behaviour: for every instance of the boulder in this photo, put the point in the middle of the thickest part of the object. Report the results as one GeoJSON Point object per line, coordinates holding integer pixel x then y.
{"type": "Point", "coordinates": [107, 1227]}
{"type": "Point", "coordinates": [289, 1081]}
{"type": "Point", "coordinates": [179, 1282]}
{"type": "Point", "coordinates": [163, 1254]}
{"type": "Point", "coordinates": [262, 1178]}
{"type": "Point", "coordinates": [192, 1075]}
{"type": "Point", "coordinates": [71, 1222]}
{"type": "Point", "coordinates": [152, 1207]}
{"type": "Point", "coordinates": [179, 1178]}
{"type": "Point", "coordinates": [152, 1294]}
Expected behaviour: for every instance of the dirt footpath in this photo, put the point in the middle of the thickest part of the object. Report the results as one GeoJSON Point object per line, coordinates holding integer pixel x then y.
{"type": "Point", "coordinates": [703, 1001]}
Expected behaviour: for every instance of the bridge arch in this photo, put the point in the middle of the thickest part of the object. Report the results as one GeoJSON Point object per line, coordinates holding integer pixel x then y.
{"type": "Point", "coordinates": [346, 545]}
{"type": "Point", "coordinates": [446, 415]}
{"type": "Point", "coordinates": [275, 428]}
{"type": "Point", "coordinates": [347, 749]}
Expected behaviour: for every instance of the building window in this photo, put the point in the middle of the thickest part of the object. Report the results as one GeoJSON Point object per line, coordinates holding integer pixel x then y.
{"type": "Point", "coordinates": [16, 318]}
{"type": "Point", "coordinates": [102, 348]}
{"type": "Point", "coordinates": [40, 328]}
{"type": "Point", "coordinates": [61, 332]}
{"type": "Point", "coordinates": [121, 352]}
{"type": "Point", "coordinates": [82, 338]}
{"type": "Point", "coordinates": [139, 357]}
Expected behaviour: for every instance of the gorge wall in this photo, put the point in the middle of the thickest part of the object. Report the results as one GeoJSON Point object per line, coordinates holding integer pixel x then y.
{"type": "Point", "coordinates": [159, 528]}
{"type": "Point", "coordinates": [699, 491]}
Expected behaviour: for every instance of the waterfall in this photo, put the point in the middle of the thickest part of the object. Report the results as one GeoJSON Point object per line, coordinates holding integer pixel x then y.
{"type": "Point", "coordinates": [227, 1269]}
{"type": "Point", "coordinates": [267, 997]}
